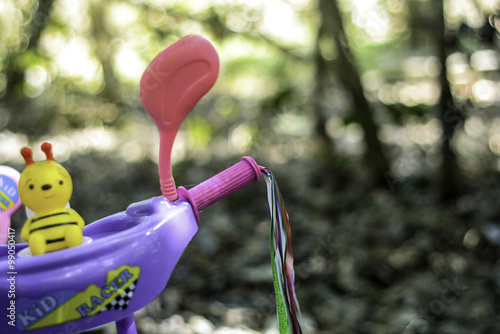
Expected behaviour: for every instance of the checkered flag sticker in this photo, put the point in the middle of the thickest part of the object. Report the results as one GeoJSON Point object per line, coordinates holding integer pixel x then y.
{"type": "Point", "coordinates": [121, 302]}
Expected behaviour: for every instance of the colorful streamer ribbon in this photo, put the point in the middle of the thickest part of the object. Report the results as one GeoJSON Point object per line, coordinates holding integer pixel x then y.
{"type": "Point", "coordinates": [282, 259]}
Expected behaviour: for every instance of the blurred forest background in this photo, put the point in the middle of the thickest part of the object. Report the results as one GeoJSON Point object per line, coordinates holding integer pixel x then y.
{"type": "Point", "coordinates": [379, 119]}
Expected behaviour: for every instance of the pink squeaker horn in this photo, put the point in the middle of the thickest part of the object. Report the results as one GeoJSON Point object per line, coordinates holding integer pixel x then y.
{"type": "Point", "coordinates": [170, 87]}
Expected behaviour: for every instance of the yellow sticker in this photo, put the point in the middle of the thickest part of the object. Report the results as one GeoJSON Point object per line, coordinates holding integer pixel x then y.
{"type": "Point", "coordinates": [95, 299]}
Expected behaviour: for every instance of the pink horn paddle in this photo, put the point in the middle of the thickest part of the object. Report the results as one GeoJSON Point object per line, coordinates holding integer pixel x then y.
{"type": "Point", "coordinates": [170, 87]}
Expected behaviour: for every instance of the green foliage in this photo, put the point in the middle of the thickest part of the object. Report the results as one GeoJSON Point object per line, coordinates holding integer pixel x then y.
{"type": "Point", "coordinates": [200, 131]}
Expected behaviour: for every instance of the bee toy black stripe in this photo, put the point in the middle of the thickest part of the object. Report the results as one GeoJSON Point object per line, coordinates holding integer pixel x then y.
{"type": "Point", "coordinates": [47, 216]}
{"type": "Point", "coordinates": [51, 241]}
{"type": "Point", "coordinates": [51, 226]}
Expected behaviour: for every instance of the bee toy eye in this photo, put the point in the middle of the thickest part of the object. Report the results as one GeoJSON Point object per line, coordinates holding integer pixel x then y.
{"type": "Point", "coordinates": [61, 182]}
{"type": "Point", "coordinates": [32, 187]}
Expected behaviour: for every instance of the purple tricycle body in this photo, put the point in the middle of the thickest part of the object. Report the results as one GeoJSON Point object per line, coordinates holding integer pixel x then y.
{"type": "Point", "coordinates": [124, 266]}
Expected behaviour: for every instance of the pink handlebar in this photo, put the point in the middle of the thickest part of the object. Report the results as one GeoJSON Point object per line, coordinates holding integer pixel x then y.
{"type": "Point", "coordinates": [221, 185]}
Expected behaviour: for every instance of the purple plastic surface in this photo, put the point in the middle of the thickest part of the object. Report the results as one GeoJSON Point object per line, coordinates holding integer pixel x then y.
{"type": "Point", "coordinates": [126, 325]}
{"type": "Point", "coordinates": [150, 235]}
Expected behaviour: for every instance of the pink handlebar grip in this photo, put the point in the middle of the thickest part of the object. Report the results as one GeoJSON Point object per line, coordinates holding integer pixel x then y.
{"type": "Point", "coordinates": [221, 185]}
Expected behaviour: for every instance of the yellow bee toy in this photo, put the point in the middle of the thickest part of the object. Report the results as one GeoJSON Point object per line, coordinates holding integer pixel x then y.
{"type": "Point", "coordinates": [45, 187]}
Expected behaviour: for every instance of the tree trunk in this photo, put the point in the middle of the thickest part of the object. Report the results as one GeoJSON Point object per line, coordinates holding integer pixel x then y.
{"type": "Point", "coordinates": [103, 39]}
{"type": "Point", "coordinates": [348, 74]}
{"type": "Point", "coordinates": [325, 148]}
{"type": "Point", "coordinates": [449, 113]}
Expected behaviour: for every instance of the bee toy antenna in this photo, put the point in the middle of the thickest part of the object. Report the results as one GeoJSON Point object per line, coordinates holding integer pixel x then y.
{"type": "Point", "coordinates": [27, 154]}
{"type": "Point", "coordinates": [47, 149]}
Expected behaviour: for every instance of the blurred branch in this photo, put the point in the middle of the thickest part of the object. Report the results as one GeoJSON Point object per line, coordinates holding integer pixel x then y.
{"type": "Point", "coordinates": [255, 36]}
{"type": "Point", "coordinates": [217, 20]}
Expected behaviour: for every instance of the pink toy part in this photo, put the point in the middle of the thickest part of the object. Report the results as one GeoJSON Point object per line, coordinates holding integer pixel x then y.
{"type": "Point", "coordinates": [9, 199]}
{"type": "Point", "coordinates": [221, 185]}
{"type": "Point", "coordinates": [170, 87]}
